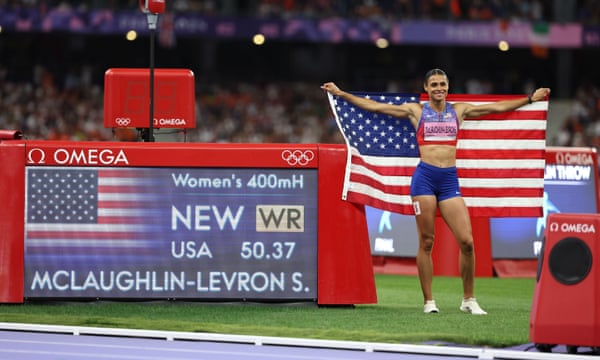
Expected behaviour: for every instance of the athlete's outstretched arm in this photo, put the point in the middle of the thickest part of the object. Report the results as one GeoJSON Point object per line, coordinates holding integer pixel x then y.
{"type": "Point", "coordinates": [469, 110]}
{"type": "Point", "coordinates": [403, 110]}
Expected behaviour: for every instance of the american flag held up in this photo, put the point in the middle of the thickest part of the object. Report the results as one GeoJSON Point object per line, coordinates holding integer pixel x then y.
{"type": "Point", "coordinates": [500, 157]}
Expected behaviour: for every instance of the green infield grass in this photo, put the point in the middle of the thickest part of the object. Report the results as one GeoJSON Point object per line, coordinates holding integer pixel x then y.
{"type": "Point", "coordinates": [396, 318]}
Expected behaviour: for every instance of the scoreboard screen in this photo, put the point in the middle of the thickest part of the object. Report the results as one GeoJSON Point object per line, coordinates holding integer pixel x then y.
{"type": "Point", "coordinates": [570, 186]}
{"type": "Point", "coordinates": [171, 233]}
{"type": "Point", "coordinates": [127, 98]}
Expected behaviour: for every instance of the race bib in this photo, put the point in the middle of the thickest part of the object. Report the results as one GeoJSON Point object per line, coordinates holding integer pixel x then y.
{"type": "Point", "coordinates": [439, 131]}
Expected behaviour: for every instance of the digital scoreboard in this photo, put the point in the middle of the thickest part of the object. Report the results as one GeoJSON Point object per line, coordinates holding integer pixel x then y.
{"type": "Point", "coordinates": [570, 186]}
{"type": "Point", "coordinates": [169, 232]}
{"type": "Point", "coordinates": [139, 221]}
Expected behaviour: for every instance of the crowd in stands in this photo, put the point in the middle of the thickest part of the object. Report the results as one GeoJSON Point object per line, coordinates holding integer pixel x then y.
{"type": "Point", "coordinates": [293, 112]}
{"type": "Point", "coordinates": [582, 125]}
{"type": "Point", "coordinates": [296, 111]}
{"type": "Point", "coordinates": [247, 113]}
{"type": "Point", "coordinates": [532, 10]}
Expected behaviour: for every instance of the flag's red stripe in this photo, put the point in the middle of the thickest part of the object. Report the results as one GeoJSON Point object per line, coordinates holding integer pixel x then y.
{"type": "Point", "coordinates": [385, 170]}
{"type": "Point", "coordinates": [500, 192]}
{"type": "Point", "coordinates": [532, 211]}
{"type": "Point", "coordinates": [123, 219]}
{"type": "Point", "coordinates": [475, 134]}
{"type": "Point", "coordinates": [83, 235]}
{"type": "Point", "coordinates": [493, 154]}
{"type": "Point", "coordinates": [515, 115]}
{"type": "Point", "coordinates": [388, 189]}
{"type": "Point", "coordinates": [499, 173]}
{"type": "Point", "coordinates": [360, 198]}
{"type": "Point", "coordinates": [126, 189]}
{"type": "Point", "coordinates": [112, 204]}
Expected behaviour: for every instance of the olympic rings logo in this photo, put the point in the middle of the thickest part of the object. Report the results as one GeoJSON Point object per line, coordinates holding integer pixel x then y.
{"type": "Point", "coordinates": [297, 157]}
{"type": "Point", "coordinates": [122, 121]}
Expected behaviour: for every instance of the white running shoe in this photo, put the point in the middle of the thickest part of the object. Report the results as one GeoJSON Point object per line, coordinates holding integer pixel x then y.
{"type": "Point", "coordinates": [471, 306]}
{"type": "Point", "coordinates": [430, 307]}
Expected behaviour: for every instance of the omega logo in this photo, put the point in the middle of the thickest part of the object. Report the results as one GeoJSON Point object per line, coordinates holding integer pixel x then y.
{"type": "Point", "coordinates": [79, 157]}
{"type": "Point", "coordinates": [574, 158]}
{"type": "Point", "coordinates": [170, 121]}
{"type": "Point", "coordinates": [573, 228]}
{"type": "Point", "coordinates": [36, 156]}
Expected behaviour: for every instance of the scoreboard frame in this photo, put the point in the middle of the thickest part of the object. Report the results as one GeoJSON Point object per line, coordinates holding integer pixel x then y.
{"type": "Point", "coordinates": [342, 238]}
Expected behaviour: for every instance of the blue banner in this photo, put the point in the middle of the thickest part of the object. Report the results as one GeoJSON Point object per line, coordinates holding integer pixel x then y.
{"type": "Point", "coordinates": [330, 30]}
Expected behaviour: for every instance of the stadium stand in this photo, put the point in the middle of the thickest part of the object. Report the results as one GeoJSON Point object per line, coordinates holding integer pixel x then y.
{"type": "Point", "coordinates": [51, 83]}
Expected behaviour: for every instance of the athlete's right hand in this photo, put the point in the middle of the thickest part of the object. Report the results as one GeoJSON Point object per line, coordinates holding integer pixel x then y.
{"type": "Point", "coordinates": [331, 88]}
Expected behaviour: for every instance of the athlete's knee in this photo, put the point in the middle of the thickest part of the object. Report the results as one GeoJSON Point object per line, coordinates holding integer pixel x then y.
{"type": "Point", "coordinates": [426, 242]}
{"type": "Point", "coordinates": [466, 245]}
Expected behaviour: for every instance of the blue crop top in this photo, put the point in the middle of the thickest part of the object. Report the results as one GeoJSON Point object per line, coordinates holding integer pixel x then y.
{"type": "Point", "coordinates": [437, 128]}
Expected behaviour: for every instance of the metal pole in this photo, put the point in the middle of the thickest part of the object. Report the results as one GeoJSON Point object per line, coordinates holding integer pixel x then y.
{"type": "Point", "coordinates": [152, 20]}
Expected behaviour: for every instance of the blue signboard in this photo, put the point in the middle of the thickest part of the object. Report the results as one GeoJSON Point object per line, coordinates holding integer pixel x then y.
{"type": "Point", "coordinates": [567, 189]}
{"type": "Point", "coordinates": [200, 233]}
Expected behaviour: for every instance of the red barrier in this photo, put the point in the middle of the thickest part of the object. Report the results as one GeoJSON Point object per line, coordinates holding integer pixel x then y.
{"type": "Point", "coordinates": [12, 181]}
{"type": "Point", "coordinates": [10, 135]}
{"type": "Point", "coordinates": [445, 253]}
{"type": "Point", "coordinates": [345, 266]}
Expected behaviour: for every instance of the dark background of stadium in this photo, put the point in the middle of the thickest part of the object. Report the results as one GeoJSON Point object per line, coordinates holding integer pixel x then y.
{"type": "Point", "coordinates": [58, 60]}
